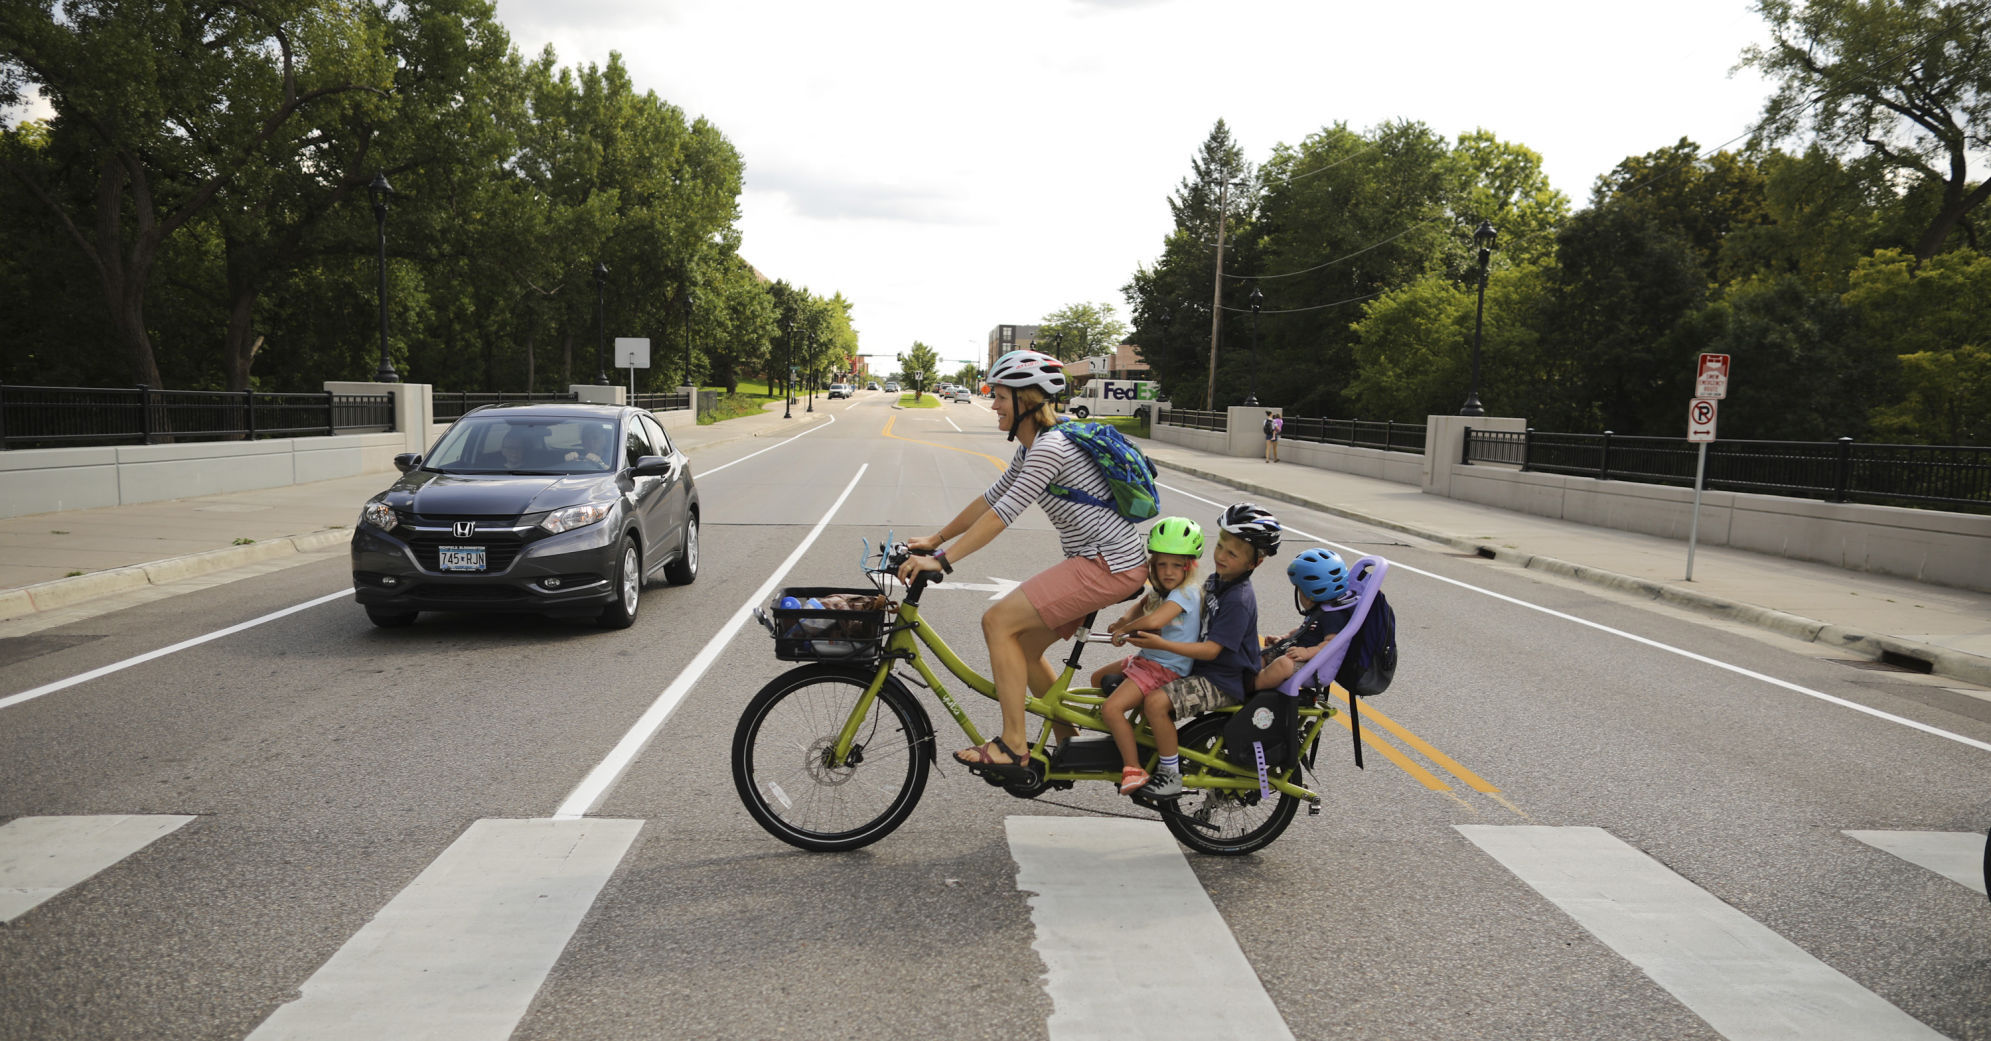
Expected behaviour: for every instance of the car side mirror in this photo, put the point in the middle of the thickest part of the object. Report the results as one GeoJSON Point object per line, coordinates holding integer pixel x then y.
{"type": "Point", "coordinates": [654, 466]}
{"type": "Point", "coordinates": [407, 461]}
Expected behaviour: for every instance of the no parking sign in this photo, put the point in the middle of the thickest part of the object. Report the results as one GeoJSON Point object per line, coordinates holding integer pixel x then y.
{"type": "Point", "coordinates": [1700, 419]}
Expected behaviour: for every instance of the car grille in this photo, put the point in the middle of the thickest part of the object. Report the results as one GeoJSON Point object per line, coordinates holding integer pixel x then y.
{"type": "Point", "coordinates": [483, 593]}
{"type": "Point", "coordinates": [502, 544]}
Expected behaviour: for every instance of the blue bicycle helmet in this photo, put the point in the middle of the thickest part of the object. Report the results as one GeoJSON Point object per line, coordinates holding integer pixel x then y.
{"type": "Point", "coordinates": [1319, 575]}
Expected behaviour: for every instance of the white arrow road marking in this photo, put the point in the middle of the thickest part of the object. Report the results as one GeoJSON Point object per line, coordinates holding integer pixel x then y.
{"type": "Point", "coordinates": [1116, 909]}
{"type": "Point", "coordinates": [42, 856]}
{"type": "Point", "coordinates": [1956, 855]}
{"type": "Point", "coordinates": [1749, 983]}
{"type": "Point", "coordinates": [999, 589]}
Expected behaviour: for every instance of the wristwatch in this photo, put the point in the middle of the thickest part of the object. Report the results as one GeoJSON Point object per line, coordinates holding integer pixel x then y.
{"type": "Point", "coordinates": [945, 567]}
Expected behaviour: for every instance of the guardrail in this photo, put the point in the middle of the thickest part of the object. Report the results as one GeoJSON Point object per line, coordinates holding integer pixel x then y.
{"type": "Point", "coordinates": [661, 402]}
{"type": "Point", "coordinates": [1195, 419]}
{"type": "Point", "coordinates": [452, 404]}
{"type": "Point", "coordinates": [58, 417]}
{"type": "Point", "coordinates": [1836, 471]}
{"type": "Point", "coordinates": [1388, 435]}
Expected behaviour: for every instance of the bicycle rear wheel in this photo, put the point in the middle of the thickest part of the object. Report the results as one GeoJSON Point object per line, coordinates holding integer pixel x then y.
{"type": "Point", "coordinates": [1240, 822]}
{"type": "Point", "coordinates": [782, 749]}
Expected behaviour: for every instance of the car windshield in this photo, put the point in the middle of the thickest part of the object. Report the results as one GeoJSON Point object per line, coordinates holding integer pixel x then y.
{"type": "Point", "coordinates": [525, 445]}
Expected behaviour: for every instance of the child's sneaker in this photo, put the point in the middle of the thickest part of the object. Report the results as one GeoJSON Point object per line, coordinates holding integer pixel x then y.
{"type": "Point", "coordinates": [1131, 779]}
{"type": "Point", "coordinates": [1164, 784]}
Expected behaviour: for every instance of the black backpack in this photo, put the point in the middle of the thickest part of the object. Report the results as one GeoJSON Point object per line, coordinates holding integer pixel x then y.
{"type": "Point", "coordinates": [1371, 661]}
{"type": "Point", "coordinates": [1268, 427]}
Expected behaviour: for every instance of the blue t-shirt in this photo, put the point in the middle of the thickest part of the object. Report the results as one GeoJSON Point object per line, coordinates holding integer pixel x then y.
{"type": "Point", "coordinates": [1183, 629]}
{"type": "Point", "coordinates": [1230, 619]}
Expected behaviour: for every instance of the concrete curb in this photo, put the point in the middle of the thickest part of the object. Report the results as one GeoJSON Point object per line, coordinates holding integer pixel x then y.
{"type": "Point", "coordinates": [66, 592]}
{"type": "Point", "coordinates": [1942, 660]}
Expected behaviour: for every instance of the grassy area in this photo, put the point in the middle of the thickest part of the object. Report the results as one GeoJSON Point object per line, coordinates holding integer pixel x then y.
{"type": "Point", "coordinates": [1133, 426]}
{"type": "Point", "coordinates": [751, 399]}
{"type": "Point", "coordinates": [925, 401]}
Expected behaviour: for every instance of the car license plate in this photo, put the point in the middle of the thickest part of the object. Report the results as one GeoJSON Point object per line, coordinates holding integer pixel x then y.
{"type": "Point", "coordinates": [461, 558]}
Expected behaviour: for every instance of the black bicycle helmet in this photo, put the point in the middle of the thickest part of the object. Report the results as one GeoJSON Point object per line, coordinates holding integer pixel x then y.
{"type": "Point", "coordinates": [1254, 524]}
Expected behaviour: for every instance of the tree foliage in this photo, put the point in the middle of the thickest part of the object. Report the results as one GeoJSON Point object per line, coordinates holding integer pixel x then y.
{"type": "Point", "coordinates": [919, 366]}
{"type": "Point", "coordinates": [1081, 330]}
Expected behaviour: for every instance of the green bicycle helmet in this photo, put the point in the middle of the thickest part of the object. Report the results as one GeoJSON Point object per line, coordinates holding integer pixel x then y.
{"type": "Point", "coordinates": [1178, 535]}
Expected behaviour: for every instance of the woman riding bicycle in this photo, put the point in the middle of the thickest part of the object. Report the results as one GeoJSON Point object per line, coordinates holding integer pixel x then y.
{"type": "Point", "coordinates": [1106, 559]}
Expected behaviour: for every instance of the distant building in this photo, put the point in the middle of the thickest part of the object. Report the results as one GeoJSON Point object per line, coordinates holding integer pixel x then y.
{"type": "Point", "coordinates": [1123, 364]}
{"type": "Point", "coordinates": [1006, 338]}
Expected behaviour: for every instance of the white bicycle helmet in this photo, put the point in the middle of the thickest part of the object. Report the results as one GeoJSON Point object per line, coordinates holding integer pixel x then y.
{"type": "Point", "coordinates": [1254, 524]}
{"type": "Point", "coordinates": [1029, 369]}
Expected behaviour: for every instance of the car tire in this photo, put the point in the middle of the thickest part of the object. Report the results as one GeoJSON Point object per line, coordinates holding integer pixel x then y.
{"type": "Point", "coordinates": [390, 619]}
{"type": "Point", "coordinates": [684, 570]}
{"type": "Point", "coordinates": [1081, 412]}
{"type": "Point", "coordinates": [621, 612]}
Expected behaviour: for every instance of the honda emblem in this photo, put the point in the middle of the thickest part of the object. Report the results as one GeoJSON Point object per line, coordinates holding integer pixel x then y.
{"type": "Point", "coordinates": [464, 529]}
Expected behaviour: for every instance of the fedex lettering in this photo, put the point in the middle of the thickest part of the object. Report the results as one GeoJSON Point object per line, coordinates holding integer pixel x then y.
{"type": "Point", "coordinates": [1124, 393]}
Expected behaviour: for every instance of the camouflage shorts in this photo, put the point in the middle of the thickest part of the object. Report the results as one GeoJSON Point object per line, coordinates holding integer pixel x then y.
{"type": "Point", "coordinates": [1194, 695]}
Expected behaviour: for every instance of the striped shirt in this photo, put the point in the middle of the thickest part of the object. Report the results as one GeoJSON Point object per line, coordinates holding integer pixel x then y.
{"type": "Point", "coordinates": [1083, 530]}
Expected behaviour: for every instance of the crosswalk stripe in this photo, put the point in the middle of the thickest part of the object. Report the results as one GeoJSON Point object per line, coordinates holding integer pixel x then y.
{"type": "Point", "coordinates": [1107, 890]}
{"type": "Point", "coordinates": [460, 953]}
{"type": "Point", "coordinates": [1747, 982]}
{"type": "Point", "coordinates": [42, 856]}
{"type": "Point", "coordinates": [1956, 855]}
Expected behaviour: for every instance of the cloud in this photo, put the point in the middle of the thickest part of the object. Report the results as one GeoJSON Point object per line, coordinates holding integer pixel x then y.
{"type": "Point", "coordinates": [820, 195]}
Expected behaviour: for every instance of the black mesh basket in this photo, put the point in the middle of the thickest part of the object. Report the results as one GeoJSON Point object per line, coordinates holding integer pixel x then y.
{"type": "Point", "coordinates": [810, 634]}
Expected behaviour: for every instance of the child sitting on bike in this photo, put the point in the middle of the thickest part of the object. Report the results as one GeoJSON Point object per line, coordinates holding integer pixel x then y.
{"type": "Point", "coordinates": [1172, 610]}
{"type": "Point", "coordinates": [1226, 656]}
{"type": "Point", "coordinates": [1320, 585]}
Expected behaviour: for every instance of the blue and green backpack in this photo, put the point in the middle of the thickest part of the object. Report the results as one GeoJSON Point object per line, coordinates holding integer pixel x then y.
{"type": "Point", "coordinates": [1128, 472]}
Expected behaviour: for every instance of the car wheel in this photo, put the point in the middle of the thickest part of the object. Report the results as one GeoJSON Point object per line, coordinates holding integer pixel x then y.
{"type": "Point", "coordinates": [1081, 412]}
{"type": "Point", "coordinates": [621, 612]}
{"type": "Point", "coordinates": [684, 569]}
{"type": "Point", "coordinates": [390, 619]}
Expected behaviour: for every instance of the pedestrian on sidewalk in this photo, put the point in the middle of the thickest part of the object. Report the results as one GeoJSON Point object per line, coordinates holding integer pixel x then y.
{"type": "Point", "coordinates": [1274, 425]}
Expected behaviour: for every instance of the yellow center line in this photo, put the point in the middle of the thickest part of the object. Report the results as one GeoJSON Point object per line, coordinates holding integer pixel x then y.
{"type": "Point", "coordinates": [1000, 464]}
{"type": "Point", "coordinates": [1424, 777]}
{"type": "Point", "coordinates": [1445, 762]}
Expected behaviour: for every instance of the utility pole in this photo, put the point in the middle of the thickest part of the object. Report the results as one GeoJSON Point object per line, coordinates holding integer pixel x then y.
{"type": "Point", "coordinates": [1217, 291]}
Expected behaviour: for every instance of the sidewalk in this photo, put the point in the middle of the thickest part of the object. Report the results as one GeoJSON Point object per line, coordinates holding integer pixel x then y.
{"type": "Point", "coordinates": [53, 560]}
{"type": "Point", "coordinates": [121, 548]}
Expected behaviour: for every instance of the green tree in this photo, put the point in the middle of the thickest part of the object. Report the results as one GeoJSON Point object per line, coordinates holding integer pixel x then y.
{"type": "Point", "coordinates": [1935, 317]}
{"type": "Point", "coordinates": [1081, 330]}
{"type": "Point", "coordinates": [1906, 82]}
{"type": "Point", "coordinates": [919, 366]}
{"type": "Point", "coordinates": [1413, 353]}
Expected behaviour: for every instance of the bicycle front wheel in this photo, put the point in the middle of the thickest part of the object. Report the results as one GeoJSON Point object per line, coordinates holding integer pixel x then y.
{"type": "Point", "coordinates": [1234, 822]}
{"type": "Point", "coordinates": [784, 744]}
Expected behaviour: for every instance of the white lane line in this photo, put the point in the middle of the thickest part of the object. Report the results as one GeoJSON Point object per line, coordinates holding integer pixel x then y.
{"type": "Point", "coordinates": [603, 777]}
{"type": "Point", "coordinates": [951, 423]}
{"type": "Point", "coordinates": [461, 952]}
{"type": "Point", "coordinates": [1116, 910]}
{"type": "Point", "coordinates": [1655, 644]}
{"type": "Point", "coordinates": [770, 448]}
{"type": "Point", "coordinates": [1749, 983]}
{"type": "Point", "coordinates": [1959, 856]}
{"type": "Point", "coordinates": [84, 677]}
{"type": "Point", "coordinates": [42, 856]}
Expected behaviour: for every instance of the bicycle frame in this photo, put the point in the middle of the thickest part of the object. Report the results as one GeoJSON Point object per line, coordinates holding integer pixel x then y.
{"type": "Point", "coordinates": [1060, 704]}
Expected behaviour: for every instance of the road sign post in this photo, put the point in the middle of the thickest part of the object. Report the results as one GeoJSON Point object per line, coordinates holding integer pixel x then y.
{"type": "Point", "coordinates": [632, 353]}
{"type": "Point", "coordinates": [1700, 427]}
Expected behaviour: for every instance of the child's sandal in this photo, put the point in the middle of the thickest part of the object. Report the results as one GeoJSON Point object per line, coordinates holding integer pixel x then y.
{"type": "Point", "coordinates": [1132, 778]}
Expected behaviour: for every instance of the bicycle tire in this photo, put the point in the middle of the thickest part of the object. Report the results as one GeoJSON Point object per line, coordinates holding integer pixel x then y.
{"type": "Point", "coordinates": [1243, 822]}
{"type": "Point", "coordinates": [780, 752]}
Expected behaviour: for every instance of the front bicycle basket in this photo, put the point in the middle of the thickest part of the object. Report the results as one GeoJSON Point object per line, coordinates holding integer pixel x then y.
{"type": "Point", "coordinates": [829, 624]}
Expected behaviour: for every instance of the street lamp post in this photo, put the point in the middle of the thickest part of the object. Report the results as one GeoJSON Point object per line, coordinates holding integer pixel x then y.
{"type": "Point", "coordinates": [601, 323]}
{"type": "Point", "coordinates": [810, 379]}
{"type": "Point", "coordinates": [684, 299]}
{"type": "Point", "coordinates": [1483, 237]}
{"type": "Point", "coordinates": [380, 190]}
{"type": "Point", "coordinates": [788, 385]}
{"type": "Point", "coordinates": [1257, 301]}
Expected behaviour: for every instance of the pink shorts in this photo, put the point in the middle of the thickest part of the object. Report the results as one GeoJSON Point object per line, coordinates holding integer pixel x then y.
{"type": "Point", "coordinates": [1065, 594]}
{"type": "Point", "coordinates": [1147, 674]}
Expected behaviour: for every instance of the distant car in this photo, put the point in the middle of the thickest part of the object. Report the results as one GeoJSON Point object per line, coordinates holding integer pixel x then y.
{"type": "Point", "coordinates": [873, 385]}
{"type": "Point", "coordinates": [555, 509]}
{"type": "Point", "coordinates": [892, 387]}
{"type": "Point", "coordinates": [961, 394]}
{"type": "Point", "coordinates": [841, 390]}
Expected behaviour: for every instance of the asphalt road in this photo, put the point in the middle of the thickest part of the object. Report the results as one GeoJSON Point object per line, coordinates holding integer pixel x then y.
{"type": "Point", "coordinates": [327, 764]}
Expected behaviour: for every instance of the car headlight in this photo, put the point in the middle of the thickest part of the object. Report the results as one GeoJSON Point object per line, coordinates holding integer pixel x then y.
{"type": "Point", "coordinates": [576, 516]}
{"type": "Point", "coordinates": [380, 515]}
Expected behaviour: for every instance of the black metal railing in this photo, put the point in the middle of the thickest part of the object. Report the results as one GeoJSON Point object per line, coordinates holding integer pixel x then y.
{"type": "Point", "coordinates": [661, 402]}
{"type": "Point", "coordinates": [1195, 419]}
{"type": "Point", "coordinates": [1387, 435]}
{"type": "Point", "coordinates": [452, 404]}
{"type": "Point", "coordinates": [1836, 471]}
{"type": "Point", "coordinates": [58, 417]}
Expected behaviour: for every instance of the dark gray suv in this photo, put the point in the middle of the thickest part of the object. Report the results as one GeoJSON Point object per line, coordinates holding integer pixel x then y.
{"type": "Point", "coordinates": [558, 509]}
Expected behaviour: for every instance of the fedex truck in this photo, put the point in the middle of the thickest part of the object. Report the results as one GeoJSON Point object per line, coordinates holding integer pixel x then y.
{"type": "Point", "coordinates": [1114, 397]}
